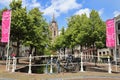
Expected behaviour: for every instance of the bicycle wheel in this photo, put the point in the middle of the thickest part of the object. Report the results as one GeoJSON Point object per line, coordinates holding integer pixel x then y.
{"type": "Point", "coordinates": [53, 66]}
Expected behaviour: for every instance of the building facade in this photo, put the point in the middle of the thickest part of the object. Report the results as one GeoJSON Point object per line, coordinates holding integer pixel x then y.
{"type": "Point", "coordinates": [53, 29]}
{"type": "Point", "coordinates": [116, 49]}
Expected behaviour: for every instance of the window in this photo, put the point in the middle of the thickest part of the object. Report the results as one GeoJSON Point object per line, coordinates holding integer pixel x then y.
{"type": "Point", "coordinates": [117, 53]}
{"type": "Point", "coordinates": [107, 52]}
{"type": "Point", "coordinates": [112, 52]}
{"type": "Point", "coordinates": [100, 53]}
{"type": "Point", "coordinates": [54, 33]}
{"type": "Point", "coordinates": [118, 26]}
{"type": "Point", "coordinates": [103, 53]}
{"type": "Point", "coordinates": [119, 38]}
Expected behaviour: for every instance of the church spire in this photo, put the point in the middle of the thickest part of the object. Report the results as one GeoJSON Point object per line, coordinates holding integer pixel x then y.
{"type": "Point", "coordinates": [54, 28]}
{"type": "Point", "coordinates": [53, 18]}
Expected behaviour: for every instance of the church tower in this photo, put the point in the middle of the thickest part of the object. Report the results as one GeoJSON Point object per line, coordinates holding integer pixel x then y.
{"type": "Point", "coordinates": [53, 28]}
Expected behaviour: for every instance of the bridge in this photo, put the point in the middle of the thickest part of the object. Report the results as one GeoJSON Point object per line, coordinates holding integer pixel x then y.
{"type": "Point", "coordinates": [27, 65]}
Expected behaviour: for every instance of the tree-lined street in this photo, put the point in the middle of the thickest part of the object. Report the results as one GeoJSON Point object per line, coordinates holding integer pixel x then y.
{"type": "Point", "coordinates": [37, 43]}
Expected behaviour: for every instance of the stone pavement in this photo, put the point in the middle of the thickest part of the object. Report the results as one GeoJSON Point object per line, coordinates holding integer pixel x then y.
{"type": "Point", "coordinates": [6, 79]}
{"type": "Point", "coordinates": [87, 75]}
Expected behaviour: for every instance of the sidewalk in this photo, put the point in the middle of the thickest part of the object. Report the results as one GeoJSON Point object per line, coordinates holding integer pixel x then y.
{"type": "Point", "coordinates": [4, 75]}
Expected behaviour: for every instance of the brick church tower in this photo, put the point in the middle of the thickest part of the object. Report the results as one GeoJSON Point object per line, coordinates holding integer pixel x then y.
{"type": "Point", "coordinates": [53, 28]}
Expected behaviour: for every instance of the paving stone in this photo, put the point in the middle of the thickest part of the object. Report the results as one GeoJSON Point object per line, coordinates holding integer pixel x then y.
{"type": "Point", "coordinates": [6, 79]}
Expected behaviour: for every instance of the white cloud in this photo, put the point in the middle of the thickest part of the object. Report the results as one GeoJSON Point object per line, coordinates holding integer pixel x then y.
{"type": "Point", "coordinates": [5, 2]}
{"type": "Point", "coordinates": [101, 11]}
{"type": "Point", "coordinates": [57, 6]}
{"type": "Point", "coordinates": [116, 13]}
{"type": "Point", "coordinates": [84, 11]}
{"type": "Point", "coordinates": [61, 6]}
{"type": "Point", "coordinates": [27, 3]}
{"type": "Point", "coordinates": [31, 3]}
{"type": "Point", "coordinates": [87, 12]}
{"type": "Point", "coordinates": [35, 3]}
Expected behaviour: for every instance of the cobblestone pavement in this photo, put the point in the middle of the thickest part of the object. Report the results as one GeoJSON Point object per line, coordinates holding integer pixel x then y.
{"type": "Point", "coordinates": [87, 75]}
{"type": "Point", "coordinates": [6, 79]}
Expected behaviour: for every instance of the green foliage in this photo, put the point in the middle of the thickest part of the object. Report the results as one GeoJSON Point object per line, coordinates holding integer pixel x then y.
{"type": "Point", "coordinates": [16, 4]}
{"type": "Point", "coordinates": [47, 51]}
{"type": "Point", "coordinates": [79, 26]}
{"type": "Point", "coordinates": [18, 24]}
{"type": "Point", "coordinates": [83, 31]}
{"type": "Point", "coordinates": [37, 31]}
{"type": "Point", "coordinates": [29, 27]}
{"type": "Point", "coordinates": [97, 29]}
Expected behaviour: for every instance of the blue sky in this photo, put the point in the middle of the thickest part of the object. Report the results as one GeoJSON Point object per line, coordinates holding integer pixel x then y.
{"type": "Point", "coordinates": [63, 9]}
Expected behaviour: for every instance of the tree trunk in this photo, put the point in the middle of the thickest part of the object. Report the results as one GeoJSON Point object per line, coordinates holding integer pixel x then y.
{"type": "Point", "coordinates": [81, 48]}
{"type": "Point", "coordinates": [18, 46]}
{"type": "Point", "coordinates": [72, 50]}
{"type": "Point", "coordinates": [35, 52]}
{"type": "Point", "coordinates": [59, 51]}
{"type": "Point", "coordinates": [64, 50]}
{"type": "Point", "coordinates": [31, 48]}
{"type": "Point", "coordinates": [94, 53]}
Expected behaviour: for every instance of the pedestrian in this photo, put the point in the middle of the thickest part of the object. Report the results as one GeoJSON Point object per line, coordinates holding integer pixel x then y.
{"type": "Point", "coordinates": [13, 55]}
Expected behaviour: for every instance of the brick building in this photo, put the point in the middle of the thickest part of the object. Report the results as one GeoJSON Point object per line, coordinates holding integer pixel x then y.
{"type": "Point", "coordinates": [53, 28]}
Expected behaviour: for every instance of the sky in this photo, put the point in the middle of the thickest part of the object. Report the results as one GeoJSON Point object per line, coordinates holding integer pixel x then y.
{"type": "Point", "coordinates": [63, 9]}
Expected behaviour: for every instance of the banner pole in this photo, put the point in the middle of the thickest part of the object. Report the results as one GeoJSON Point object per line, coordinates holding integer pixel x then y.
{"type": "Point", "coordinates": [7, 66]}
{"type": "Point", "coordinates": [115, 54]}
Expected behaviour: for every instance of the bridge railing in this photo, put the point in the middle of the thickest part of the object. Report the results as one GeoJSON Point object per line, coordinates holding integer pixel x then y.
{"type": "Point", "coordinates": [84, 61]}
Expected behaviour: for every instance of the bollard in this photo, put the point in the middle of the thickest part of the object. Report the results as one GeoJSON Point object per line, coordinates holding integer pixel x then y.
{"type": "Point", "coordinates": [81, 62]}
{"type": "Point", "coordinates": [51, 69]}
{"type": "Point", "coordinates": [15, 62]}
{"type": "Point", "coordinates": [109, 65]}
{"type": "Point", "coordinates": [46, 71]}
{"type": "Point", "coordinates": [116, 66]}
{"type": "Point", "coordinates": [8, 68]}
{"type": "Point", "coordinates": [29, 71]}
{"type": "Point", "coordinates": [13, 65]}
{"type": "Point", "coordinates": [7, 64]}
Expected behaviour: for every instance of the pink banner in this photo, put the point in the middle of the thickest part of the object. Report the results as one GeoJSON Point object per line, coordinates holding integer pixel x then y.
{"type": "Point", "coordinates": [6, 19]}
{"type": "Point", "coordinates": [110, 33]}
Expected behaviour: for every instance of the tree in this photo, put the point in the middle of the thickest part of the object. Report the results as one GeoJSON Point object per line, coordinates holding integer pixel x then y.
{"type": "Point", "coordinates": [83, 31]}
{"type": "Point", "coordinates": [97, 32]}
{"type": "Point", "coordinates": [72, 27]}
{"type": "Point", "coordinates": [97, 29]}
{"type": "Point", "coordinates": [37, 31]}
{"type": "Point", "coordinates": [79, 26]}
{"type": "Point", "coordinates": [83, 35]}
{"type": "Point", "coordinates": [28, 28]}
{"type": "Point", "coordinates": [18, 23]}
{"type": "Point", "coordinates": [60, 42]}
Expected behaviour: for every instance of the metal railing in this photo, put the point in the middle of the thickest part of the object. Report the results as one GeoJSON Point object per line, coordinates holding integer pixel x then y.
{"type": "Point", "coordinates": [51, 62]}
